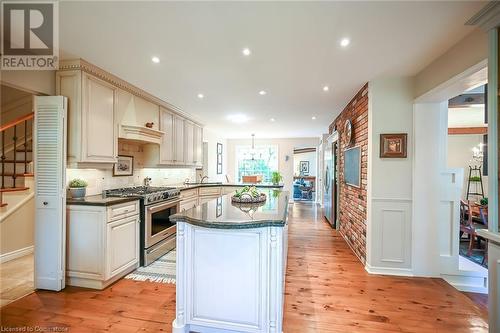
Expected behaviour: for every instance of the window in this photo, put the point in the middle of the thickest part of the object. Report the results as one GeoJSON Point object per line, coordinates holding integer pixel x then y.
{"type": "Point", "coordinates": [262, 160]}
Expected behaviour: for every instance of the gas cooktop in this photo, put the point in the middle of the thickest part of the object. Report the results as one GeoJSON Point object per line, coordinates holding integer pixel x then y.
{"type": "Point", "coordinates": [150, 194]}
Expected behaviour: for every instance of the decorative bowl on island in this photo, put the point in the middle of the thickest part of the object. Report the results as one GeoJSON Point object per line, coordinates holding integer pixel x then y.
{"type": "Point", "coordinates": [248, 195]}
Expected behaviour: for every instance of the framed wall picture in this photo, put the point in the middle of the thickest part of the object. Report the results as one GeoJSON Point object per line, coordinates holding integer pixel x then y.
{"type": "Point", "coordinates": [393, 145]}
{"type": "Point", "coordinates": [124, 166]}
{"type": "Point", "coordinates": [304, 168]}
{"type": "Point", "coordinates": [219, 158]}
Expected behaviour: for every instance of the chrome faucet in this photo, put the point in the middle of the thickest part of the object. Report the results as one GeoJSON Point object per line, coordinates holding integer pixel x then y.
{"type": "Point", "coordinates": [203, 178]}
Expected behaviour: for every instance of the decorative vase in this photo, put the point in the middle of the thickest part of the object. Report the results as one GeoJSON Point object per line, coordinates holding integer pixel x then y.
{"type": "Point", "coordinates": [77, 192]}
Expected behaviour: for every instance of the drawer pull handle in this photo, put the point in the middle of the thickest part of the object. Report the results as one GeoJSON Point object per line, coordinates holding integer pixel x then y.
{"type": "Point", "coordinates": [45, 203]}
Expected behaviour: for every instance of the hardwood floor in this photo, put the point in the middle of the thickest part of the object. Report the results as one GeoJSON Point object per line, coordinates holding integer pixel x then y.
{"type": "Point", "coordinates": [327, 290]}
{"type": "Point", "coordinates": [16, 279]}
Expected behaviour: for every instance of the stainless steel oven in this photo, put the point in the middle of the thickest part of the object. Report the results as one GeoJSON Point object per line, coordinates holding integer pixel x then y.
{"type": "Point", "coordinates": [159, 235]}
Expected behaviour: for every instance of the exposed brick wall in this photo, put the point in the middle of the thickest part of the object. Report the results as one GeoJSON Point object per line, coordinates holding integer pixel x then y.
{"type": "Point", "coordinates": [352, 200]}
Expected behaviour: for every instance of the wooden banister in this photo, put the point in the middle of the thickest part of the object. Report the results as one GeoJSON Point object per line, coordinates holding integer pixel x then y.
{"type": "Point", "coordinates": [17, 121]}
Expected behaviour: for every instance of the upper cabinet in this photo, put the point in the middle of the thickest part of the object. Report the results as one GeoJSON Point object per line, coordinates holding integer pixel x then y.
{"type": "Point", "coordinates": [92, 134]}
{"type": "Point", "coordinates": [103, 108]}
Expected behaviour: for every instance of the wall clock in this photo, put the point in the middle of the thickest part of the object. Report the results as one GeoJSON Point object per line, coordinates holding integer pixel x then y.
{"type": "Point", "coordinates": [348, 131]}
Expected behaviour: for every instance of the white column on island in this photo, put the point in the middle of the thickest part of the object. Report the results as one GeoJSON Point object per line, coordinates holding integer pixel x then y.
{"type": "Point", "coordinates": [178, 326]}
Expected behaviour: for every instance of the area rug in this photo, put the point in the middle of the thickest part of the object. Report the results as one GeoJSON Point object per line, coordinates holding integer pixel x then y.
{"type": "Point", "coordinates": [162, 270]}
{"type": "Point", "coordinates": [476, 255]}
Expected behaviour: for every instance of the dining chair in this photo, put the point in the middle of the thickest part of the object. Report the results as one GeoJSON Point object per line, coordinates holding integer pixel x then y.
{"type": "Point", "coordinates": [469, 225]}
{"type": "Point", "coordinates": [483, 215]}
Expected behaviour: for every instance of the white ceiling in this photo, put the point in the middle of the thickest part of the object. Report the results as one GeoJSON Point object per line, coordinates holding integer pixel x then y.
{"type": "Point", "coordinates": [295, 52]}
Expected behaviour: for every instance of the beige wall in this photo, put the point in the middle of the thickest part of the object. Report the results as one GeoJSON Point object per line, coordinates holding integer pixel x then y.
{"type": "Point", "coordinates": [468, 52]}
{"type": "Point", "coordinates": [43, 82]}
{"type": "Point", "coordinates": [17, 230]}
{"type": "Point", "coordinates": [210, 170]}
{"type": "Point", "coordinates": [285, 149]}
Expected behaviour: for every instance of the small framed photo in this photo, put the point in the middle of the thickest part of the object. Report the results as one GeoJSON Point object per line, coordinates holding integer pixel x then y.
{"type": "Point", "coordinates": [393, 145]}
{"type": "Point", "coordinates": [304, 168]}
{"type": "Point", "coordinates": [124, 166]}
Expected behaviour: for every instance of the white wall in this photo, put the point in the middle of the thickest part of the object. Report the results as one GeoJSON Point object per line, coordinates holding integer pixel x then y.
{"type": "Point", "coordinates": [212, 138]}
{"type": "Point", "coordinates": [390, 110]}
{"type": "Point", "coordinates": [285, 149]}
{"type": "Point", "coordinates": [43, 82]}
{"type": "Point", "coordinates": [460, 156]}
{"type": "Point", "coordinates": [310, 157]}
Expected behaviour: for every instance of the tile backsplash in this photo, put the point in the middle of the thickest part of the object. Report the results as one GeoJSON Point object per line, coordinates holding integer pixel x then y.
{"type": "Point", "coordinates": [103, 179]}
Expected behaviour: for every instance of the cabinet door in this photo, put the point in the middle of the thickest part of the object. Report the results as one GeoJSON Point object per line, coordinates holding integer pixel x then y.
{"type": "Point", "coordinates": [188, 142]}
{"type": "Point", "coordinates": [198, 146]}
{"type": "Point", "coordinates": [122, 245]}
{"type": "Point", "coordinates": [178, 140]}
{"type": "Point", "coordinates": [188, 204]}
{"type": "Point", "coordinates": [99, 133]}
{"type": "Point", "coordinates": [167, 141]}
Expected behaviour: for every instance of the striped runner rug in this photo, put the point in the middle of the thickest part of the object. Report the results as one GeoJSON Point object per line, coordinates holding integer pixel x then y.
{"type": "Point", "coordinates": [162, 270]}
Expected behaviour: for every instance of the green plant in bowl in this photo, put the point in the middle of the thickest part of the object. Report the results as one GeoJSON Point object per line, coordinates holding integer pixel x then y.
{"type": "Point", "coordinates": [77, 188]}
{"type": "Point", "coordinates": [475, 179]}
{"type": "Point", "coordinates": [484, 201]}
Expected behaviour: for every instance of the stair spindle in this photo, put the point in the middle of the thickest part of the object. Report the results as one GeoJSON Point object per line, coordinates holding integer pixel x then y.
{"type": "Point", "coordinates": [15, 156]}
{"type": "Point", "coordinates": [3, 159]}
{"type": "Point", "coordinates": [26, 146]}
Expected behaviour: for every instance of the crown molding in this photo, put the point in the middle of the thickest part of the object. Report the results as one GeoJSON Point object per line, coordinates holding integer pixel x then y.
{"type": "Point", "coordinates": [87, 67]}
{"type": "Point", "coordinates": [488, 17]}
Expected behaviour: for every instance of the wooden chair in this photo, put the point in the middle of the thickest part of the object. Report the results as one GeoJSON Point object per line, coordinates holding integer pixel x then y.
{"type": "Point", "coordinates": [468, 225]}
{"type": "Point", "coordinates": [483, 215]}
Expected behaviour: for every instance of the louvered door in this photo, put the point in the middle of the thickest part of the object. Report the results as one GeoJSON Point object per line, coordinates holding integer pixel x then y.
{"type": "Point", "coordinates": [49, 156]}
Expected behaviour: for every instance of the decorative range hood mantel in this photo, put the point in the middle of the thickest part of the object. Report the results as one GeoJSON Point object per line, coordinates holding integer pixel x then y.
{"type": "Point", "coordinates": [140, 133]}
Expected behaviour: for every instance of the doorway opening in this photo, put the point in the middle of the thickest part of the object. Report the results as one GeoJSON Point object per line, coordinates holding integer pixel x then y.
{"type": "Point", "coordinates": [305, 174]}
{"type": "Point", "coordinates": [467, 151]}
{"type": "Point", "coordinates": [17, 211]}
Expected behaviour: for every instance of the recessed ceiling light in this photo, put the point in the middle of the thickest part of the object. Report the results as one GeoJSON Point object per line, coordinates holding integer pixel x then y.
{"type": "Point", "coordinates": [200, 96]}
{"type": "Point", "coordinates": [344, 42]}
{"type": "Point", "coordinates": [246, 51]}
{"type": "Point", "coordinates": [262, 92]}
{"type": "Point", "coordinates": [272, 119]}
{"type": "Point", "coordinates": [326, 88]}
{"type": "Point", "coordinates": [238, 118]}
{"type": "Point", "coordinates": [156, 60]}
{"type": "Point", "coordinates": [313, 117]}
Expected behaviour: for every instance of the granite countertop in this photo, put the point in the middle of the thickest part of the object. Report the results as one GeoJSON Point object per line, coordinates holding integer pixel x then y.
{"type": "Point", "coordinates": [259, 185]}
{"type": "Point", "coordinates": [98, 200]}
{"type": "Point", "coordinates": [221, 213]}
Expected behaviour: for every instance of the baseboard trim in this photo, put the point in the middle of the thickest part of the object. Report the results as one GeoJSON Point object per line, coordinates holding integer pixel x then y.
{"type": "Point", "coordinates": [473, 284]}
{"type": "Point", "coordinates": [16, 254]}
{"type": "Point", "coordinates": [389, 271]}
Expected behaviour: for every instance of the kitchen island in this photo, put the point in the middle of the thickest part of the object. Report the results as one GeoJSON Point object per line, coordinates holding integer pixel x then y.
{"type": "Point", "coordinates": [231, 263]}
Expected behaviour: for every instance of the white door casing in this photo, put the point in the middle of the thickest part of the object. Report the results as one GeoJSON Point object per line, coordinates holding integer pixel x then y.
{"type": "Point", "coordinates": [49, 155]}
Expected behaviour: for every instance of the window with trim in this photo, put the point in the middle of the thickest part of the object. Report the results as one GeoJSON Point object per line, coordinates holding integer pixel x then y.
{"type": "Point", "coordinates": [262, 160]}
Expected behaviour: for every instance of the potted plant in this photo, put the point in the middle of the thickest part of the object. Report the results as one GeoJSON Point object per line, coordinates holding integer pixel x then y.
{"type": "Point", "coordinates": [77, 188]}
{"type": "Point", "coordinates": [276, 177]}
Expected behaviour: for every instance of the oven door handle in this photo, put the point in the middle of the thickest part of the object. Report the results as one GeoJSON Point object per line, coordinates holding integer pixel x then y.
{"type": "Point", "coordinates": [163, 205]}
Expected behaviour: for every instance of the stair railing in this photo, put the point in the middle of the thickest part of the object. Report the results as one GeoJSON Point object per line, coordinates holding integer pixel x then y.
{"type": "Point", "coordinates": [27, 120]}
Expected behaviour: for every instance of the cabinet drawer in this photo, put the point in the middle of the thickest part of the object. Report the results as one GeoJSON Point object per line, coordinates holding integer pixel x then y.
{"type": "Point", "coordinates": [229, 189]}
{"type": "Point", "coordinates": [120, 211]}
{"type": "Point", "coordinates": [209, 191]}
{"type": "Point", "coordinates": [188, 204]}
{"type": "Point", "coordinates": [188, 194]}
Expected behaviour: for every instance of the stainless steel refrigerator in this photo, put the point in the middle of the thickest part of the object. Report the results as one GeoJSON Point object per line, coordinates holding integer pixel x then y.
{"type": "Point", "coordinates": [329, 183]}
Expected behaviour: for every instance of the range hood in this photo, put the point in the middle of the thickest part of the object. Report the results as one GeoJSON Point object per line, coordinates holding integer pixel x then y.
{"type": "Point", "coordinates": [140, 134]}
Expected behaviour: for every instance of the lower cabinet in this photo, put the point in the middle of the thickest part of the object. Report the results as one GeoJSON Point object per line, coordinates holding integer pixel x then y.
{"type": "Point", "coordinates": [101, 247]}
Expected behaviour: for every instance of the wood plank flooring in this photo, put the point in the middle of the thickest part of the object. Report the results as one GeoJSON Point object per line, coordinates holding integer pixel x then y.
{"type": "Point", "coordinates": [327, 290]}
{"type": "Point", "coordinates": [16, 279]}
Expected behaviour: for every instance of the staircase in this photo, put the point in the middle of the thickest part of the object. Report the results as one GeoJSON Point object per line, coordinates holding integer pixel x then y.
{"type": "Point", "coordinates": [16, 167]}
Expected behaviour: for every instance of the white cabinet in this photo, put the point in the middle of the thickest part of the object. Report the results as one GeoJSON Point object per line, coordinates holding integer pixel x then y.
{"type": "Point", "coordinates": [198, 146]}
{"type": "Point", "coordinates": [188, 143]}
{"type": "Point", "coordinates": [92, 134]}
{"type": "Point", "coordinates": [178, 142]}
{"type": "Point", "coordinates": [122, 245]}
{"type": "Point", "coordinates": [167, 143]}
{"type": "Point", "coordinates": [102, 243]}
